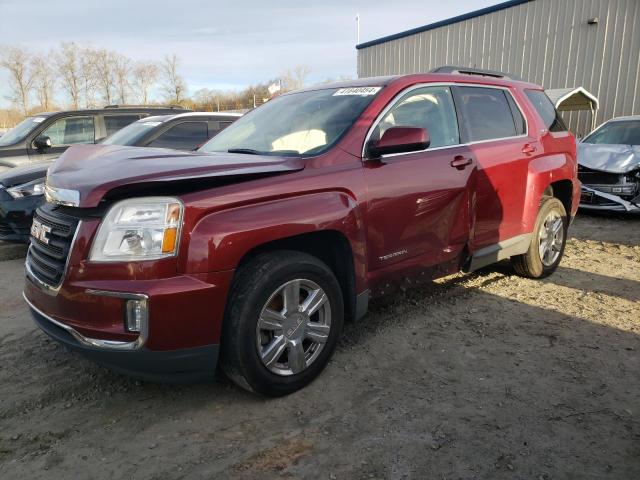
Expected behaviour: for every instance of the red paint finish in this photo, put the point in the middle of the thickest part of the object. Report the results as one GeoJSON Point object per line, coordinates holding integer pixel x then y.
{"type": "Point", "coordinates": [399, 214]}
{"type": "Point", "coordinates": [419, 206]}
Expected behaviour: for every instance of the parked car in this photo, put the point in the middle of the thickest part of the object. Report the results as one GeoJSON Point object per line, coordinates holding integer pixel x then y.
{"type": "Point", "coordinates": [609, 166]}
{"type": "Point", "coordinates": [258, 246]}
{"type": "Point", "coordinates": [45, 136]}
{"type": "Point", "coordinates": [22, 188]}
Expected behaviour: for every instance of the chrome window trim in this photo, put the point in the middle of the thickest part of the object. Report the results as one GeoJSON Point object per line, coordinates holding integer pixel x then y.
{"type": "Point", "coordinates": [409, 89]}
{"type": "Point", "coordinates": [45, 287]}
{"type": "Point", "coordinates": [94, 342]}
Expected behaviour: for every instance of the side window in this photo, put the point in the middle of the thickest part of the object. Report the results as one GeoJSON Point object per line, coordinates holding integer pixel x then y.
{"type": "Point", "coordinates": [429, 107]}
{"type": "Point", "coordinates": [216, 127]}
{"type": "Point", "coordinates": [485, 114]}
{"type": "Point", "coordinates": [518, 119]}
{"type": "Point", "coordinates": [546, 110]}
{"type": "Point", "coordinates": [71, 130]}
{"type": "Point", "coordinates": [183, 136]}
{"type": "Point", "coordinates": [113, 123]}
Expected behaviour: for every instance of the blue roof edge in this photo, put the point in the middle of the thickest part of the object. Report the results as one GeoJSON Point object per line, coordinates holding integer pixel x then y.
{"type": "Point", "coordinates": [442, 23]}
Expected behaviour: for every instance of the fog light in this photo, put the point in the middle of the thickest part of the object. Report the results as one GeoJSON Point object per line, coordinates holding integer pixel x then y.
{"type": "Point", "coordinates": [136, 315]}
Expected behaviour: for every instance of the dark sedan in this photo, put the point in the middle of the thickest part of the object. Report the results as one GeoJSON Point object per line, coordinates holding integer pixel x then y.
{"type": "Point", "coordinates": [22, 188]}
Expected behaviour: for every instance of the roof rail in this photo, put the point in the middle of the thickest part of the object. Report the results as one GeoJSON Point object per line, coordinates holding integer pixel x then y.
{"type": "Point", "coordinates": [172, 107]}
{"type": "Point", "coordinates": [474, 71]}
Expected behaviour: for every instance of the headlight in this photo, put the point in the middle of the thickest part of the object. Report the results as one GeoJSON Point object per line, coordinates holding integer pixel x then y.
{"type": "Point", "coordinates": [35, 187]}
{"type": "Point", "coordinates": [145, 228]}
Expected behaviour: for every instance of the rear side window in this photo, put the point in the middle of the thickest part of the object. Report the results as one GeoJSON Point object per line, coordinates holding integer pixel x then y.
{"type": "Point", "coordinates": [216, 127]}
{"type": "Point", "coordinates": [546, 110]}
{"type": "Point", "coordinates": [484, 113]}
{"type": "Point", "coordinates": [184, 136]}
{"type": "Point", "coordinates": [113, 123]}
{"type": "Point", "coordinates": [518, 119]}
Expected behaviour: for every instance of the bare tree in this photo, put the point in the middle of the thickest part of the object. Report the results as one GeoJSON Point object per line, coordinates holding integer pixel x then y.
{"type": "Point", "coordinates": [144, 77]}
{"type": "Point", "coordinates": [294, 79]}
{"type": "Point", "coordinates": [207, 99]}
{"type": "Point", "coordinates": [44, 80]}
{"type": "Point", "coordinates": [16, 61]}
{"type": "Point", "coordinates": [88, 76]}
{"type": "Point", "coordinates": [121, 69]}
{"type": "Point", "coordinates": [69, 70]}
{"type": "Point", "coordinates": [173, 85]}
{"type": "Point", "coordinates": [104, 74]}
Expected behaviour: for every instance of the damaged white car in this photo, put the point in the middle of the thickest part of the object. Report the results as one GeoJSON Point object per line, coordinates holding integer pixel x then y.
{"type": "Point", "coordinates": [609, 166]}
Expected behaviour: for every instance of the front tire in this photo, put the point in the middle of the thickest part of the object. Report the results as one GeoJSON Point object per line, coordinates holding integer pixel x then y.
{"type": "Point", "coordinates": [282, 323]}
{"type": "Point", "coordinates": [547, 243]}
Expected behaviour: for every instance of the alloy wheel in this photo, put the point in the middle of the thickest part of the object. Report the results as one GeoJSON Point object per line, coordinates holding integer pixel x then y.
{"type": "Point", "coordinates": [551, 237]}
{"type": "Point", "coordinates": [293, 327]}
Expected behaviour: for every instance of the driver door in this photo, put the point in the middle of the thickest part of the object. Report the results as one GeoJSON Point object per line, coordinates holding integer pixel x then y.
{"type": "Point", "coordinates": [420, 204]}
{"type": "Point", "coordinates": [64, 132]}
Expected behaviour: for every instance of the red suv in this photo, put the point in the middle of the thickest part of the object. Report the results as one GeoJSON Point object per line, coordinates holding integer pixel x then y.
{"type": "Point", "coordinates": [257, 247]}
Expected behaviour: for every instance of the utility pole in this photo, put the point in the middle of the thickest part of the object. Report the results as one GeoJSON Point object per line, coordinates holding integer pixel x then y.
{"type": "Point", "coordinates": [357, 28]}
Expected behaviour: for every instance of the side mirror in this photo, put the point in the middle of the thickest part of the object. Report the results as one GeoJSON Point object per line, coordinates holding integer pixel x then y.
{"type": "Point", "coordinates": [42, 143]}
{"type": "Point", "coordinates": [399, 140]}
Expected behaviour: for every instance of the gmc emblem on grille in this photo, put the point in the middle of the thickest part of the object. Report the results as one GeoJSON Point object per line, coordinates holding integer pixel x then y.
{"type": "Point", "coordinates": [40, 231]}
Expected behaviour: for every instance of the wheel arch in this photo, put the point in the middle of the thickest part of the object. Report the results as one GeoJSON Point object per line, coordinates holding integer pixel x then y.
{"type": "Point", "coordinates": [326, 224]}
{"type": "Point", "coordinates": [563, 191]}
{"type": "Point", "coordinates": [549, 175]}
{"type": "Point", "coordinates": [331, 247]}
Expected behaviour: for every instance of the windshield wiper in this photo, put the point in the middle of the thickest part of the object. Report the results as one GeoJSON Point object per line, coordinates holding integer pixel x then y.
{"type": "Point", "coordinates": [249, 151]}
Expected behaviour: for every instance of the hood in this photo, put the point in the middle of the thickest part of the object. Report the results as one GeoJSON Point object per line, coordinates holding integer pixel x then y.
{"type": "Point", "coordinates": [94, 170]}
{"type": "Point", "coordinates": [609, 158]}
{"type": "Point", "coordinates": [19, 175]}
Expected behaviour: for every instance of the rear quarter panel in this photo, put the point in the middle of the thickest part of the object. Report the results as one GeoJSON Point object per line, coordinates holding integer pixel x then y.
{"type": "Point", "coordinates": [554, 161]}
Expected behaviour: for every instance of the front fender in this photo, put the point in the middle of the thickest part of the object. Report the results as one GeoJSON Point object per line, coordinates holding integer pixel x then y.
{"type": "Point", "coordinates": [220, 239]}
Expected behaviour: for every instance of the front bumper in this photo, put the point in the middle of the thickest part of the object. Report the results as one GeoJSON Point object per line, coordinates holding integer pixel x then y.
{"type": "Point", "coordinates": [178, 342]}
{"type": "Point", "coordinates": [596, 200]}
{"type": "Point", "coordinates": [182, 365]}
{"type": "Point", "coordinates": [16, 215]}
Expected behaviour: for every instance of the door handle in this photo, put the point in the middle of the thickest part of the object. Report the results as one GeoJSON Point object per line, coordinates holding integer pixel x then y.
{"type": "Point", "coordinates": [528, 149]}
{"type": "Point", "coordinates": [461, 162]}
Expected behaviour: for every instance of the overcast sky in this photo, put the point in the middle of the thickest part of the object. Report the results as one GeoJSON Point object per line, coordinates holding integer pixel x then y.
{"type": "Point", "coordinates": [222, 43]}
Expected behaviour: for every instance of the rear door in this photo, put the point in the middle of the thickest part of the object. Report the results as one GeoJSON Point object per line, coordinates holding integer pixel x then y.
{"type": "Point", "coordinates": [495, 130]}
{"type": "Point", "coordinates": [115, 122]}
{"type": "Point", "coordinates": [420, 203]}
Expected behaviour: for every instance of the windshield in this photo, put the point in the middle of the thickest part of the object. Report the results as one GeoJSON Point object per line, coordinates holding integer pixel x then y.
{"type": "Point", "coordinates": [616, 133]}
{"type": "Point", "coordinates": [304, 123]}
{"type": "Point", "coordinates": [20, 131]}
{"type": "Point", "coordinates": [130, 134]}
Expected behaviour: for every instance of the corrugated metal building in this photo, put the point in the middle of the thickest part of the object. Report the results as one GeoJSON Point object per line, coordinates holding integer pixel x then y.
{"type": "Point", "coordinates": [555, 43]}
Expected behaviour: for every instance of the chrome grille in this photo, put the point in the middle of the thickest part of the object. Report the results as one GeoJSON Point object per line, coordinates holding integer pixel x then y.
{"type": "Point", "coordinates": [47, 259]}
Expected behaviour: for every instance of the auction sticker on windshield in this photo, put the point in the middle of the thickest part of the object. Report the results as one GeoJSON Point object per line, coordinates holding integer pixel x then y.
{"type": "Point", "coordinates": [361, 91]}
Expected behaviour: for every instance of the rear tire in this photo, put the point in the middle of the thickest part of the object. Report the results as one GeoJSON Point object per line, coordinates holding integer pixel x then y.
{"type": "Point", "coordinates": [547, 243]}
{"type": "Point", "coordinates": [282, 323]}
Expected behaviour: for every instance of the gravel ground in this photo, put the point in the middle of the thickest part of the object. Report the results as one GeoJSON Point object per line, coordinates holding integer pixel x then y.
{"type": "Point", "coordinates": [486, 376]}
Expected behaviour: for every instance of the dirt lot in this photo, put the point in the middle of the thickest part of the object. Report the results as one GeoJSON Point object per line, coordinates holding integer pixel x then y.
{"type": "Point", "coordinates": [487, 376]}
